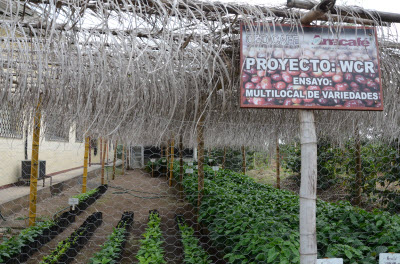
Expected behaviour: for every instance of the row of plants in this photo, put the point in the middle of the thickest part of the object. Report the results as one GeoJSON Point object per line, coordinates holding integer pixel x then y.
{"type": "Point", "coordinates": [157, 168]}
{"type": "Point", "coordinates": [193, 252]}
{"type": "Point", "coordinates": [67, 249]}
{"type": "Point", "coordinates": [256, 223]}
{"type": "Point", "coordinates": [151, 249]}
{"type": "Point", "coordinates": [19, 248]}
{"type": "Point", "coordinates": [379, 168]}
{"type": "Point", "coordinates": [111, 251]}
{"type": "Point", "coordinates": [88, 198]}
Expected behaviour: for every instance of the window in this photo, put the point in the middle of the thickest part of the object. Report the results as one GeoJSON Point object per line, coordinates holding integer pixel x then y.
{"type": "Point", "coordinates": [11, 123]}
{"type": "Point", "coordinates": [79, 135]}
{"type": "Point", "coordinates": [57, 131]}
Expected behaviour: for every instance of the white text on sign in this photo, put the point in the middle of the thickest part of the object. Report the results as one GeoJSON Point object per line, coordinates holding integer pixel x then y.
{"type": "Point", "coordinates": [389, 258]}
{"type": "Point", "coordinates": [330, 261]}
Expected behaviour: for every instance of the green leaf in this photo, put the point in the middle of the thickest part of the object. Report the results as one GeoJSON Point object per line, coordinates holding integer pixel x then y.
{"type": "Point", "coordinates": [348, 254]}
{"type": "Point", "coordinates": [272, 254]}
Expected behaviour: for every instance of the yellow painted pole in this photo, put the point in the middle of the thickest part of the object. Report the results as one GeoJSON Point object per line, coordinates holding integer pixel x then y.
{"type": "Point", "coordinates": [167, 153]}
{"type": "Point", "coordinates": [101, 149]}
{"type": "Point", "coordinates": [123, 159]}
{"type": "Point", "coordinates": [171, 166]}
{"type": "Point", "coordinates": [34, 165]}
{"type": "Point", "coordinates": [244, 160]}
{"type": "Point", "coordinates": [85, 165]}
{"type": "Point", "coordinates": [102, 161]}
{"type": "Point", "coordinates": [115, 159]}
{"type": "Point", "coordinates": [224, 159]}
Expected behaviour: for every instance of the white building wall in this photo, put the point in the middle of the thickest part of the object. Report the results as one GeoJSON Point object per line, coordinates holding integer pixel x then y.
{"type": "Point", "coordinates": [58, 155]}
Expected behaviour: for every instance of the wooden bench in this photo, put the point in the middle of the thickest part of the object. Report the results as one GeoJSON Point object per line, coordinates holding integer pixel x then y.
{"type": "Point", "coordinates": [28, 181]}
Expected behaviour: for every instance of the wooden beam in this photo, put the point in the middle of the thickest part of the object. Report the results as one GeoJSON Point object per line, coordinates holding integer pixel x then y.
{"type": "Point", "coordinates": [350, 11]}
{"type": "Point", "coordinates": [317, 11]}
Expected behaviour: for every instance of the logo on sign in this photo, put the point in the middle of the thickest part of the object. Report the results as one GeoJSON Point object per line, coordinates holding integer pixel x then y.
{"type": "Point", "coordinates": [318, 40]}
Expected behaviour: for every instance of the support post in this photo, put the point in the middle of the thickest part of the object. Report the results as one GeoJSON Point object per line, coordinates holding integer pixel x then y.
{"type": "Point", "coordinates": [181, 166]}
{"type": "Point", "coordinates": [200, 160]}
{"type": "Point", "coordinates": [128, 157]}
{"type": "Point", "coordinates": [308, 188]}
{"type": "Point", "coordinates": [167, 163]}
{"type": "Point", "coordinates": [278, 165]}
{"type": "Point", "coordinates": [85, 164]}
{"type": "Point", "coordinates": [102, 161]}
{"type": "Point", "coordinates": [123, 159]}
{"type": "Point", "coordinates": [115, 159]}
{"type": "Point", "coordinates": [224, 159]}
{"type": "Point", "coordinates": [358, 168]}
{"type": "Point", "coordinates": [243, 160]}
{"type": "Point", "coordinates": [101, 149]}
{"type": "Point", "coordinates": [90, 152]}
{"type": "Point", "coordinates": [34, 165]}
{"type": "Point", "coordinates": [308, 185]}
{"type": "Point", "coordinates": [171, 168]}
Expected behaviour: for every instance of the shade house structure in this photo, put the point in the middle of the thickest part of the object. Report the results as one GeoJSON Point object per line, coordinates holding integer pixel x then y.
{"type": "Point", "coordinates": [212, 76]}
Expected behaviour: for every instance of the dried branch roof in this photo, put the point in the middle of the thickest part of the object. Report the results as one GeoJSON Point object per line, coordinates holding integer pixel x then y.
{"type": "Point", "coordinates": [141, 70]}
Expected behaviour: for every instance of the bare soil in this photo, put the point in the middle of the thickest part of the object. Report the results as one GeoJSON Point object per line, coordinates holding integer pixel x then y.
{"type": "Point", "coordinates": [135, 191]}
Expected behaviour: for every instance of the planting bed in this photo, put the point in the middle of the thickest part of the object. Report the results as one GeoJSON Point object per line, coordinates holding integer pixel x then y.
{"type": "Point", "coordinates": [192, 251]}
{"type": "Point", "coordinates": [151, 246]}
{"type": "Point", "coordinates": [111, 251]}
{"type": "Point", "coordinates": [67, 249]}
{"type": "Point", "coordinates": [136, 191]}
{"type": "Point", "coordinates": [88, 198]}
{"type": "Point", "coordinates": [19, 248]}
{"type": "Point", "coordinates": [251, 222]}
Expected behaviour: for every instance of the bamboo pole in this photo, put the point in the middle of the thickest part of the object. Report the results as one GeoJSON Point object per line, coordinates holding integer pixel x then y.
{"type": "Point", "coordinates": [115, 159]}
{"type": "Point", "coordinates": [224, 159]}
{"type": "Point", "coordinates": [123, 159]}
{"type": "Point", "coordinates": [167, 163]}
{"type": "Point", "coordinates": [90, 153]}
{"type": "Point", "coordinates": [34, 165]}
{"type": "Point", "coordinates": [278, 166]}
{"type": "Point", "coordinates": [101, 149]}
{"type": "Point", "coordinates": [102, 161]}
{"type": "Point", "coordinates": [85, 165]}
{"type": "Point", "coordinates": [171, 168]}
{"type": "Point", "coordinates": [243, 160]}
{"type": "Point", "coordinates": [200, 160]}
{"type": "Point", "coordinates": [358, 168]}
{"type": "Point", "coordinates": [308, 185]}
{"type": "Point", "coordinates": [128, 157]}
{"type": "Point", "coordinates": [181, 166]}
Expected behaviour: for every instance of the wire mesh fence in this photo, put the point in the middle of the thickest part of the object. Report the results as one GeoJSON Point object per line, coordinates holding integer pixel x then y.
{"type": "Point", "coordinates": [122, 139]}
{"type": "Point", "coordinates": [144, 205]}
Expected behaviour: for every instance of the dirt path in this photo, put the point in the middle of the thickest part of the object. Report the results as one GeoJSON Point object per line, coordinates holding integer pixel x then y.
{"type": "Point", "coordinates": [137, 192]}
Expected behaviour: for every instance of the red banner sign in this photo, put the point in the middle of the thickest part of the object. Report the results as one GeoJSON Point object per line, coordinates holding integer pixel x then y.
{"type": "Point", "coordinates": [310, 68]}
